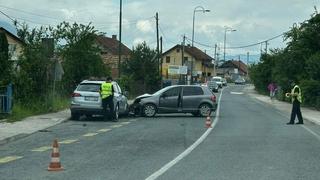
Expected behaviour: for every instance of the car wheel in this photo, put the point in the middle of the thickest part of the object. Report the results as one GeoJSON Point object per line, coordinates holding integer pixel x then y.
{"type": "Point", "coordinates": [149, 110]}
{"type": "Point", "coordinates": [204, 110]}
{"type": "Point", "coordinates": [116, 113]}
{"type": "Point", "coordinates": [75, 116]}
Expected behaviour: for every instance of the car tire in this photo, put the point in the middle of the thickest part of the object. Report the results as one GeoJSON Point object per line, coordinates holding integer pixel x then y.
{"type": "Point", "coordinates": [149, 110]}
{"type": "Point", "coordinates": [205, 109]}
{"type": "Point", "coordinates": [75, 116]}
{"type": "Point", "coordinates": [115, 116]}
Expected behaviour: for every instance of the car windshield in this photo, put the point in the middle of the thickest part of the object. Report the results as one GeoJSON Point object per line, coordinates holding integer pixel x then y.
{"type": "Point", "coordinates": [216, 79]}
{"type": "Point", "coordinates": [89, 87]}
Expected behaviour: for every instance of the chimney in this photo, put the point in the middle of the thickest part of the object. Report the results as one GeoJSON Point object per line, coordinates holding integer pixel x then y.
{"type": "Point", "coordinates": [114, 37]}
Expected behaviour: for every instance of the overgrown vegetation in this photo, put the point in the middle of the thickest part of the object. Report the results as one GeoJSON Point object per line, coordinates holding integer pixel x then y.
{"type": "Point", "coordinates": [298, 61]}
{"type": "Point", "coordinates": [140, 72]}
{"type": "Point", "coordinates": [36, 90]}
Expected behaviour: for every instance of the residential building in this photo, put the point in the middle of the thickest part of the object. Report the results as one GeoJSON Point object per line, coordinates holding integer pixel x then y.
{"type": "Point", "coordinates": [15, 46]}
{"type": "Point", "coordinates": [233, 69]}
{"type": "Point", "coordinates": [110, 52]}
{"type": "Point", "coordinates": [202, 63]}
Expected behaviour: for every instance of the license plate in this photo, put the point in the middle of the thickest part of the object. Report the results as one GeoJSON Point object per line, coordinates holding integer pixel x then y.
{"type": "Point", "coordinates": [91, 98]}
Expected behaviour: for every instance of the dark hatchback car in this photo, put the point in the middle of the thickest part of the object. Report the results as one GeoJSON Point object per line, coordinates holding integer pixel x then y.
{"type": "Point", "coordinates": [198, 100]}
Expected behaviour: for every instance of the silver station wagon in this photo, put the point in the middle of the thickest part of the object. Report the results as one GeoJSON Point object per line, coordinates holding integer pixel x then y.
{"type": "Point", "coordinates": [198, 100]}
{"type": "Point", "coordinates": [86, 100]}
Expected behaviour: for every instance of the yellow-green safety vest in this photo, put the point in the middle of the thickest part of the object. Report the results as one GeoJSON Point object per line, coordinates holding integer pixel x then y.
{"type": "Point", "coordinates": [106, 90]}
{"type": "Point", "coordinates": [299, 97]}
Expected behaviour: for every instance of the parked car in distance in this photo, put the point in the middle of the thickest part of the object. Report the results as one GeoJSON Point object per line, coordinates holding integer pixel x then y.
{"type": "Point", "coordinates": [213, 86]}
{"type": "Point", "coordinates": [198, 100]}
{"type": "Point", "coordinates": [86, 100]}
{"type": "Point", "coordinates": [218, 80]}
{"type": "Point", "coordinates": [240, 80]}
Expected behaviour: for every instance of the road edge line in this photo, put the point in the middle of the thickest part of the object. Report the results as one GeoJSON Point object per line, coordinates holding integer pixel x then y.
{"type": "Point", "coordinates": [186, 152]}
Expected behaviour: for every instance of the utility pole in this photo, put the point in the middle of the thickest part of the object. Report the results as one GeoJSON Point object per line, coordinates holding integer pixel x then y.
{"type": "Point", "coordinates": [157, 26]}
{"type": "Point", "coordinates": [266, 47]}
{"type": "Point", "coordinates": [120, 26]}
{"type": "Point", "coordinates": [161, 83]}
{"type": "Point", "coordinates": [247, 64]}
{"type": "Point", "coordinates": [215, 60]}
{"type": "Point", "coordinates": [182, 57]}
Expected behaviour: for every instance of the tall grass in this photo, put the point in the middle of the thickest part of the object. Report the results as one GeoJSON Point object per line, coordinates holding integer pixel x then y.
{"type": "Point", "coordinates": [36, 107]}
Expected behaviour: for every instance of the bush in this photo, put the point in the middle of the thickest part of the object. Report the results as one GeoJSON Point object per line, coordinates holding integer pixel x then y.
{"type": "Point", "coordinates": [310, 92]}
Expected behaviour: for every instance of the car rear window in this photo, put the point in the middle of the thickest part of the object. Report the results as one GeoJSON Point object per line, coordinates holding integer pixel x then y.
{"type": "Point", "coordinates": [89, 87]}
{"type": "Point", "coordinates": [192, 91]}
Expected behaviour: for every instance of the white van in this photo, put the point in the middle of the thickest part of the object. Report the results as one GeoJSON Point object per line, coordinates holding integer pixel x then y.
{"type": "Point", "coordinates": [218, 80]}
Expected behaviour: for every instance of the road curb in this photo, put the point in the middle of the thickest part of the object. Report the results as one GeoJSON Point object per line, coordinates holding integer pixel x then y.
{"type": "Point", "coordinates": [280, 111]}
{"type": "Point", "coordinates": [23, 135]}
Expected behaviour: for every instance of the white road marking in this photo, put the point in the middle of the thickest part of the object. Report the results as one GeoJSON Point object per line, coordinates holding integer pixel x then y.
{"type": "Point", "coordinates": [9, 159]}
{"type": "Point", "coordinates": [237, 93]}
{"type": "Point", "coordinates": [312, 132]}
{"type": "Point", "coordinates": [42, 149]}
{"type": "Point", "coordinates": [104, 130]}
{"type": "Point", "coordinates": [116, 126]}
{"type": "Point", "coordinates": [68, 141]}
{"type": "Point", "coordinates": [170, 164]}
{"type": "Point", "coordinates": [125, 123]}
{"type": "Point", "coordinates": [90, 134]}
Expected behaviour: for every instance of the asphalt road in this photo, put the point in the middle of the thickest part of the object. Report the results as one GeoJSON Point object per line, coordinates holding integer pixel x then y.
{"type": "Point", "coordinates": [249, 141]}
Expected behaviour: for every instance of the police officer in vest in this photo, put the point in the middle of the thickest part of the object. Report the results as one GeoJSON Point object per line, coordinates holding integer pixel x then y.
{"type": "Point", "coordinates": [106, 91]}
{"type": "Point", "coordinates": [296, 99]}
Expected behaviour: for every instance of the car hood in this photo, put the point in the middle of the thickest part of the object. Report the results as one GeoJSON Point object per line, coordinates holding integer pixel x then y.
{"type": "Point", "coordinates": [137, 99]}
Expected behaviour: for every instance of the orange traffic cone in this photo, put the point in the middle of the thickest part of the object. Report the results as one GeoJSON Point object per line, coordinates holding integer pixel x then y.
{"type": "Point", "coordinates": [55, 164]}
{"type": "Point", "coordinates": [208, 122]}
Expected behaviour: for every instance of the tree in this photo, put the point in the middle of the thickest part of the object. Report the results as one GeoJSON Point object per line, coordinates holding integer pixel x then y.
{"type": "Point", "coordinates": [32, 79]}
{"type": "Point", "coordinates": [142, 70]}
{"type": "Point", "coordinates": [81, 57]}
{"type": "Point", "coordinates": [5, 65]}
{"type": "Point", "coordinates": [298, 61]}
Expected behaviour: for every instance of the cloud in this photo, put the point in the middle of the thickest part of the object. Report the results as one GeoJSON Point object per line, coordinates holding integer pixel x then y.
{"type": "Point", "coordinates": [145, 26]}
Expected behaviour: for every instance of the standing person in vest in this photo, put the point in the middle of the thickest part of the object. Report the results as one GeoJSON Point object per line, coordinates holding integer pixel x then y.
{"type": "Point", "coordinates": [296, 99]}
{"type": "Point", "coordinates": [106, 91]}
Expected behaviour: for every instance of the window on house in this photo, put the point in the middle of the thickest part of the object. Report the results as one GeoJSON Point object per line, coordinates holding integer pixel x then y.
{"type": "Point", "coordinates": [178, 50]}
{"type": "Point", "coordinates": [168, 59]}
{"type": "Point", "coordinates": [209, 74]}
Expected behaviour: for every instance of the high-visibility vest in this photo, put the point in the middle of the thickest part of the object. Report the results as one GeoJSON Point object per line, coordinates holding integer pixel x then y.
{"type": "Point", "coordinates": [106, 90]}
{"type": "Point", "coordinates": [299, 97]}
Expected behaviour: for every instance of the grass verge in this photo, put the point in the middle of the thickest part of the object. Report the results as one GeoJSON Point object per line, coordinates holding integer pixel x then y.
{"type": "Point", "coordinates": [21, 111]}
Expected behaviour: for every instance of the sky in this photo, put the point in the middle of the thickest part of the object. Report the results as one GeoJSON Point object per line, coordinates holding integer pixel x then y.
{"type": "Point", "coordinates": [254, 20]}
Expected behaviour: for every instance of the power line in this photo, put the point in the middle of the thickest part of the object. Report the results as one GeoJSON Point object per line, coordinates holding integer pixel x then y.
{"type": "Point", "coordinates": [250, 45]}
{"type": "Point", "coordinates": [239, 47]}
{"type": "Point", "coordinates": [57, 19]}
{"type": "Point", "coordinates": [164, 35]}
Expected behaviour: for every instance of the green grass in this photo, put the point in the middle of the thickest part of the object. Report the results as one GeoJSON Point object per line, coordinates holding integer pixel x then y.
{"type": "Point", "coordinates": [52, 104]}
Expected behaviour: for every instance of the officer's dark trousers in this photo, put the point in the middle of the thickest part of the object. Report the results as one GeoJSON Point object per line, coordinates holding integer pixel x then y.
{"type": "Point", "coordinates": [108, 101]}
{"type": "Point", "coordinates": [296, 112]}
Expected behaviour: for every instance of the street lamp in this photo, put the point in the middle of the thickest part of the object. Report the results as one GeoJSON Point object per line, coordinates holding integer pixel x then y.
{"type": "Point", "coordinates": [196, 9]}
{"type": "Point", "coordinates": [225, 38]}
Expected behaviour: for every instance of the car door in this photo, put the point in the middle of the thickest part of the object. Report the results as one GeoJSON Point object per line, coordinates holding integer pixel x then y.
{"type": "Point", "coordinates": [170, 100]}
{"type": "Point", "coordinates": [191, 98]}
{"type": "Point", "coordinates": [122, 100]}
